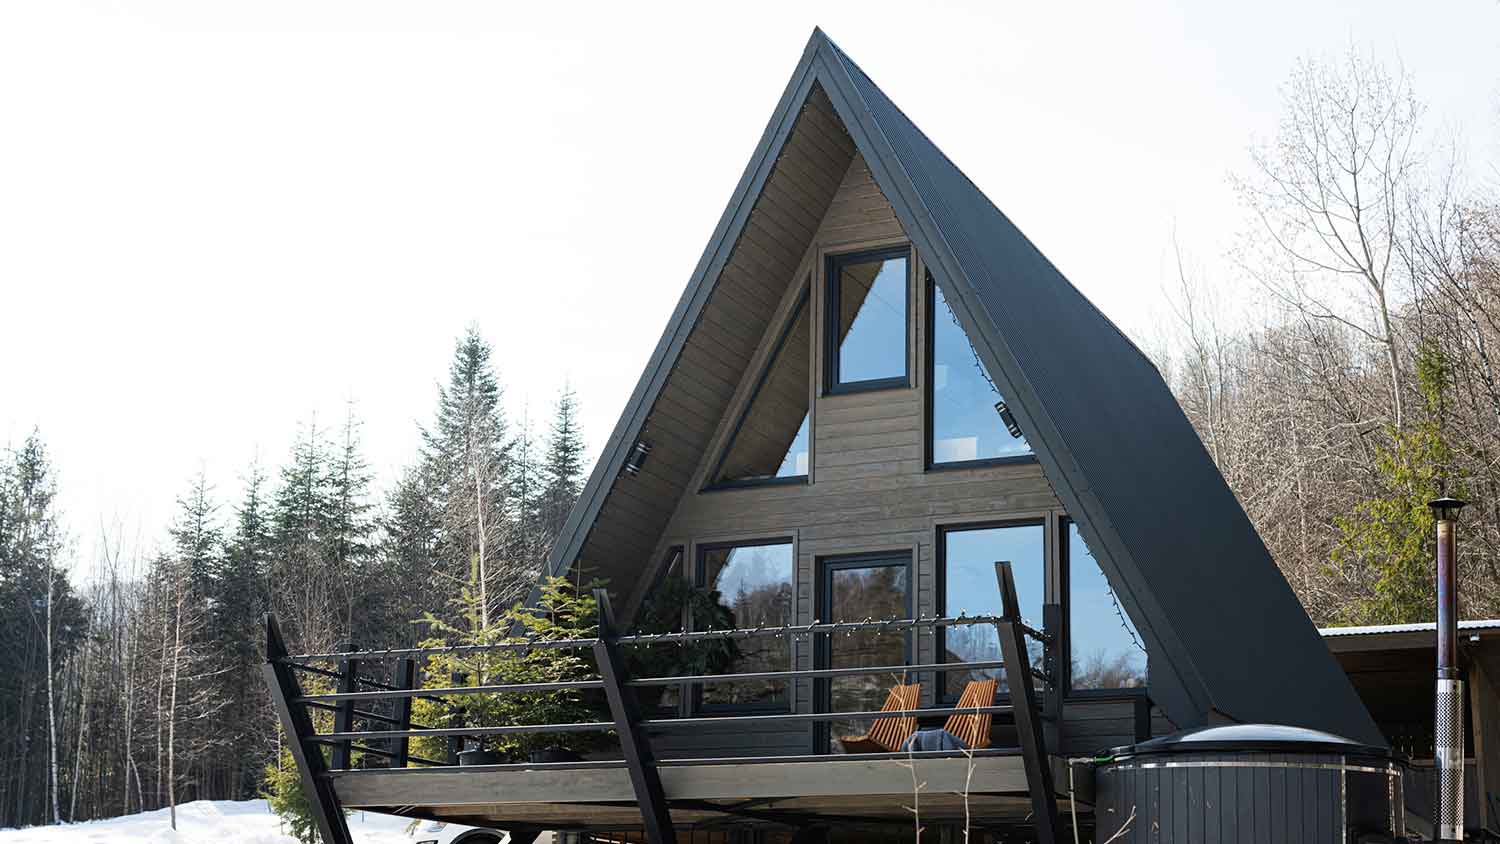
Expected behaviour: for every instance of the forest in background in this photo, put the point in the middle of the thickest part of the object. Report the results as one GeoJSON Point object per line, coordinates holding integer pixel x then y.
{"type": "Point", "coordinates": [1339, 365]}
{"type": "Point", "coordinates": [155, 695]}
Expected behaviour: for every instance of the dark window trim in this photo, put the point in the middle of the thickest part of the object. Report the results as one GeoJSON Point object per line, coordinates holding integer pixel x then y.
{"type": "Point", "coordinates": [940, 592]}
{"type": "Point", "coordinates": [929, 354]}
{"type": "Point", "coordinates": [822, 648]}
{"type": "Point", "coordinates": [1065, 637]}
{"type": "Point", "coordinates": [713, 484]}
{"type": "Point", "coordinates": [831, 384]}
{"type": "Point", "coordinates": [700, 568]}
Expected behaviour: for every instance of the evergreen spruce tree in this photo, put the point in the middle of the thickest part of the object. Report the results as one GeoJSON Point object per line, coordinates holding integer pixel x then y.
{"type": "Point", "coordinates": [241, 602]}
{"type": "Point", "coordinates": [303, 586]}
{"type": "Point", "coordinates": [467, 458]}
{"type": "Point", "coordinates": [348, 538]}
{"type": "Point", "coordinates": [199, 541]}
{"type": "Point", "coordinates": [562, 468]}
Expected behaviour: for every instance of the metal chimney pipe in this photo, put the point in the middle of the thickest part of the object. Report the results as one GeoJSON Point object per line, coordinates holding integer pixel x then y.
{"type": "Point", "coordinates": [1448, 720]}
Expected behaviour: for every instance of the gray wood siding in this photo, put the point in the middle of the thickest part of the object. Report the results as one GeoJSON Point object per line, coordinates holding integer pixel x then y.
{"type": "Point", "coordinates": [747, 296]}
{"type": "Point", "coordinates": [868, 490]}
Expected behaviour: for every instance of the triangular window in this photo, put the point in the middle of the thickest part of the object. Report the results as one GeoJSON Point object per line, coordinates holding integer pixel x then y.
{"type": "Point", "coordinates": [770, 443]}
{"type": "Point", "coordinates": [969, 424]}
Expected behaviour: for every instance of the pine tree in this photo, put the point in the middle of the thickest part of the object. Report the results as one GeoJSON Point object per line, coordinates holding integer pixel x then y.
{"type": "Point", "coordinates": [302, 580]}
{"type": "Point", "coordinates": [242, 600]}
{"type": "Point", "coordinates": [198, 539]}
{"type": "Point", "coordinates": [562, 469]}
{"type": "Point", "coordinates": [348, 536]}
{"type": "Point", "coordinates": [468, 461]}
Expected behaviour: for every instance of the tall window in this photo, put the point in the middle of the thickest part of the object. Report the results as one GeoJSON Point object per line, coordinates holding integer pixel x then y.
{"type": "Point", "coordinates": [867, 320]}
{"type": "Point", "coordinates": [965, 425]}
{"type": "Point", "coordinates": [754, 582]}
{"type": "Point", "coordinates": [769, 444]}
{"type": "Point", "coordinates": [967, 558]}
{"type": "Point", "coordinates": [1107, 651]}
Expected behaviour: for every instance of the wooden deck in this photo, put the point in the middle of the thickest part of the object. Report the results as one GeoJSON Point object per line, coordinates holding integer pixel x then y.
{"type": "Point", "coordinates": [874, 788]}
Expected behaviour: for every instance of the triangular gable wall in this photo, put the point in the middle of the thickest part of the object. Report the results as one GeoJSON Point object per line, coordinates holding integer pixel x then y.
{"type": "Point", "coordinates": [1228, 637]}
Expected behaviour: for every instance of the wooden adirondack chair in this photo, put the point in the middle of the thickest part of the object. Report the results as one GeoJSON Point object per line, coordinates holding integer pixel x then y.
{"type": "Point", "coordinates": [973, 728]}
{"type": "Point", "coordinates": [887, 734]}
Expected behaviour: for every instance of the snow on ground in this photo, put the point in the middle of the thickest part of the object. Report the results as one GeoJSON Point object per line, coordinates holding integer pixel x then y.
{"type": "Point", "coordinates": [205, 822]}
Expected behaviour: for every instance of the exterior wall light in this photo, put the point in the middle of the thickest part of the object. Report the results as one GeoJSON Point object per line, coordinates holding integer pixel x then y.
{"type": "Point", "coordinates": [1008, 418]}
{"type": "Point", "coordinates": [637, 457]}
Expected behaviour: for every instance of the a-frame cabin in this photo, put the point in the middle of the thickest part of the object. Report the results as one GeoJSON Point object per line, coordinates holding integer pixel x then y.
{"type": "Point", "coordinates": [873, 389]}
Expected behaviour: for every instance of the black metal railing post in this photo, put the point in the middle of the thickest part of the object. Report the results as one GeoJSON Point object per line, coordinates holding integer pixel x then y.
{"type": "Point", "coordinates": [1054, 662]}
{"type": "Point", "coordinates": [634, 746]}
{"type": "Point", "coordinates": [456, 718]}
{"type": "Point", "coordinates": [406, 678]}
{"type": "Point", "coordinates": [327, 813]}
{"type": "Point", "coordinates": [1023, 698]}
{"type": "Point", "coordinates": [343, 718]}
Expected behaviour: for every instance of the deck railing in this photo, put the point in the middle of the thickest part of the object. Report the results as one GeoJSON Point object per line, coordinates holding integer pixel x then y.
{"type": "Point", "coordinates": [390, 740]}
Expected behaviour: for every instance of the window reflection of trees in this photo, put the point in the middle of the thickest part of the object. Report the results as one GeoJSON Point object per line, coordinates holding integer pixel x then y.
{"type": "Point", "coordinates": [755, 587]}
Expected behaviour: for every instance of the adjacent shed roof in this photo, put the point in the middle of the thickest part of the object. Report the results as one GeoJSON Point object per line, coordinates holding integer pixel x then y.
{"type": "Point", "coordinates": [1228, 636]}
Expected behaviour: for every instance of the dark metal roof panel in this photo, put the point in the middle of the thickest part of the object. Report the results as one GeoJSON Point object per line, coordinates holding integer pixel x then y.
{"type": "Point", "coordinates": [1124, 458]}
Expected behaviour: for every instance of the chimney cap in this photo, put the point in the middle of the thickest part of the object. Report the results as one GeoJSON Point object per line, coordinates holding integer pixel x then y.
{"type": "Point", "coordinates": [1447, 507]}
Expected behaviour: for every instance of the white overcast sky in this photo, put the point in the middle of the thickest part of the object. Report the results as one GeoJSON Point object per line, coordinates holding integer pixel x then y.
{"type": "Point", "coordinates": [218, 219]}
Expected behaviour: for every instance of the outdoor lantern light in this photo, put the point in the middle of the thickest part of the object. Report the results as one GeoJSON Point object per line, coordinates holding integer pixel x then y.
{"type": "Point", "coordinates": [1008, 418]}
{"type": "Point", "coordinates": [1448, 715]}
{"type": "Point", "coordinates": [637, 457]}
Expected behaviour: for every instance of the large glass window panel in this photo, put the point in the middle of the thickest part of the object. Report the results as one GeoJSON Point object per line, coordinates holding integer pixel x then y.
{"type": "Point", "coordinates": [754, 583]}
{"type": "Point", "coordinates": [965, 425]}
{"type": "Point", "coordinates": [855, 591]}
{"type": "Point", "coordinates": [867, 297]}
{"type": "Point", "coordinates": [1108, 652]}
{"type": "Point", "coordinates": [969, 588]}
{"type": "Point", "coordinates": [771, 441]}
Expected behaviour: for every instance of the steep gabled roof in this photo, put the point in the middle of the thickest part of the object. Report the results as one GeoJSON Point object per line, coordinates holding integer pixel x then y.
{"type": "Point", "coordinates": [1228, 636]}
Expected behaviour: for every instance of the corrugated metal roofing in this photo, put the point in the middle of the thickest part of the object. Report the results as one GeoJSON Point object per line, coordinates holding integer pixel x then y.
{"type": "Point", "coordinates": [1417, 627]}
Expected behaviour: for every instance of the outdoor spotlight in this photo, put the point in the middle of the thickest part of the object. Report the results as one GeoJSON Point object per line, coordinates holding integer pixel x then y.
{"type": "Point", "coordinates": [1008, 418]}
{"type": "Point", "coordinates": [637, 457]}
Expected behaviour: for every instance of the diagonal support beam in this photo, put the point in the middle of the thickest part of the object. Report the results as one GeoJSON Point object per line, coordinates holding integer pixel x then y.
{"type": "Point", "coordinates": [327, 812]}
{"type": "Point", "coordinates": [639, 760]}
{"type": "Point", "coordinates": [1028, 716]}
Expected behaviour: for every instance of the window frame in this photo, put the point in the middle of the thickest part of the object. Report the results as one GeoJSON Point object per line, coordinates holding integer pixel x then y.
{"type": "Point", "coordinates": [822, 651]}
{"type": "Point", "coordinates": [700, 568]}
{"type": "Point", "coordinates": [1065, 637]}
{"type": "Point", "coordinates": [832, 385]}
{"type": "Point", "coordinates": [929, 402]}
{"type": "Point", "coordinates": [713, 483]}
{"type": "Point", "coordinates": [940, 592]}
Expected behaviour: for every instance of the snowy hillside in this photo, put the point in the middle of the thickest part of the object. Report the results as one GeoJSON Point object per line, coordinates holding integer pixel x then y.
{"type": "Point", "coordinates": [205, 822]}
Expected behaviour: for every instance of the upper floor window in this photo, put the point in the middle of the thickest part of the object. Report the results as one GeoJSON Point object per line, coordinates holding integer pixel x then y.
{"type": "Point", "coordinates": [770, 442]}
{"type": "Point", "coordinates": [965, 425]}
{"type": "Point", "coordinates": [754, 583]}
{"type": "Point", "coordinates": [966, 567]}
{"type": "Point", "coordinates": [867, 320]}
{"type": "Point", "coordinates": [1107, 651]}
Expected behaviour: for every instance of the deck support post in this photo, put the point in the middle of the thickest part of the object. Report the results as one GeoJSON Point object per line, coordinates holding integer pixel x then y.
{"type": "Point", "coordinates": [406, 678]}
{"type": "Point", "coordinates": [1023, 701]}
{"type": "Point", "coordinates": [343, 719]}
{"type": "Point", "coordinates": [284, 687]}
{"type": "Point", "coordinates": [639, 760]}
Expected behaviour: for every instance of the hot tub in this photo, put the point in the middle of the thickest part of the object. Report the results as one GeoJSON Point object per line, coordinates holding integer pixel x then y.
{"type": "Point", "coordinates": [1247, 783]}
